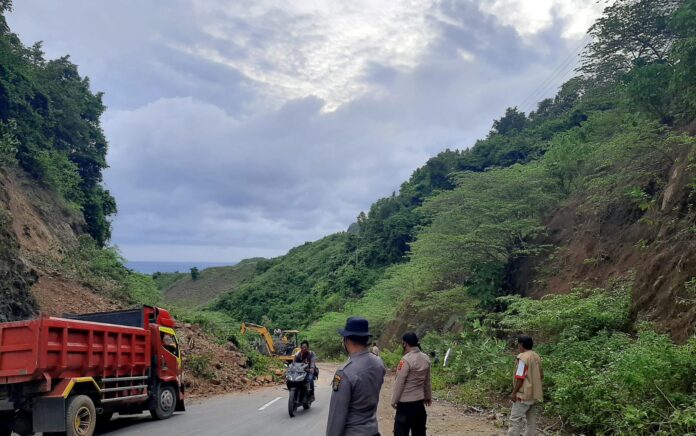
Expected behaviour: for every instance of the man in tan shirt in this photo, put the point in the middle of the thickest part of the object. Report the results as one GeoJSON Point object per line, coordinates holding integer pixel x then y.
{"type": "Point", "coordinates": [412, 389]}
{"type": "Point", "coordinates": [527, 389]}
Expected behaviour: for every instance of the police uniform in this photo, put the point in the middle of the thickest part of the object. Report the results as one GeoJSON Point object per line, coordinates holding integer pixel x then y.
{"type": "Point", "coordinates": [356, 386]}
{"type": "Point", "coordinates": [412, 389]}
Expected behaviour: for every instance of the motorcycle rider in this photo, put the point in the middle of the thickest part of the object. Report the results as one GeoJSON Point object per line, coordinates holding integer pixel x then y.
{"type": "Point", "coordinates": [309, 358]}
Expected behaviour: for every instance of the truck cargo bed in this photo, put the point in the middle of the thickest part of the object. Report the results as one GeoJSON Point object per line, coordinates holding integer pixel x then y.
{"type": "Point", "coordinates": [58, 348]}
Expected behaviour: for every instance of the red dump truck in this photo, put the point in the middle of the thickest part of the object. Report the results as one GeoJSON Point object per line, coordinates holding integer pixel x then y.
{"type": "Point", "coordinates": [64, 375]}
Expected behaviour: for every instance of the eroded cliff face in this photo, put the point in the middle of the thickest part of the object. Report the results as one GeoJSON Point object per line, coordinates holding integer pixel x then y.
{"type": "Point", "coordinates": [36, 230]}
{"type": "Point", "coordinates": [654, 245]}
{"type": "Point", "coordinates": [16, 279]}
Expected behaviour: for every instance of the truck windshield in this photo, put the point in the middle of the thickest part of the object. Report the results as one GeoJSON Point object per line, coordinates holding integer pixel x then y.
{"type": "Point", "coordinates": [170, 344]}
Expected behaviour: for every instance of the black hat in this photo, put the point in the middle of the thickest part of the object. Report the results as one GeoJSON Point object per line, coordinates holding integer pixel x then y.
{"type": "Point", "coordinates": [355, 326]}
{"type": "Point", "coordinates": [411, 339]}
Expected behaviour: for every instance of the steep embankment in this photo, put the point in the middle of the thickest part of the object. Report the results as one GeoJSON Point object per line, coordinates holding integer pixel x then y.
{"type": "Point", "coordinates": [37, 231]}
{"type": "Point", "coordinates": [183, 290]}
{"type": "Point", "coordinates": [650, 240]}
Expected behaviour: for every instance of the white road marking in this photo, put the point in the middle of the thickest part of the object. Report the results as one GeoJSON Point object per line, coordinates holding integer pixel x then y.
{"type": "Point", "coordinates": [269, 403]}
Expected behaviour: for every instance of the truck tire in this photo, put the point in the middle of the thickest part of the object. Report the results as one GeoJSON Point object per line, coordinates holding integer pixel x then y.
{"type": "Point", "coordinates": [80, 416]}
{"type": "Point", "coordinates": [166, 402]}
{"type": "Point", "coordinates": [6, 423]}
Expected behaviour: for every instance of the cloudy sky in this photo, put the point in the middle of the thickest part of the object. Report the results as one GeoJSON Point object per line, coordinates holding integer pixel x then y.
{"type": "Point", "coordinates": [242, 128]}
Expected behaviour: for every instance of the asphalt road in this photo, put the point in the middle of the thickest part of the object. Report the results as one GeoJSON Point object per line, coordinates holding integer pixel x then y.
{"type": "Point", "coordinates": [262, 412]}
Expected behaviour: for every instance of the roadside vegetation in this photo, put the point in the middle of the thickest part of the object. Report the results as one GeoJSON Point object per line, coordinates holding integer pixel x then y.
{"type": "Point", "coordinates": [604, 149]}
{"type": "Point", "coordinates": [444, 255]}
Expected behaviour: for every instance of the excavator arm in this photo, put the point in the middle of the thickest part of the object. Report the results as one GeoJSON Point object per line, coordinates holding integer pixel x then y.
{"type": "Point", "coordinates": [263, 331]}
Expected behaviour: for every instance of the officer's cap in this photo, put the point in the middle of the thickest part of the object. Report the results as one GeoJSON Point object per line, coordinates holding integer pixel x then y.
{"type": "Point", "coordinates": [355, 326]}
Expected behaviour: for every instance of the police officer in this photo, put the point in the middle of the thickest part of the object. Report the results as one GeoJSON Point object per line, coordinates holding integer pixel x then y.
{"type": "Point", "coordinates": [412, 389]}
{"type": "Point", "coordinates": [356, 385]}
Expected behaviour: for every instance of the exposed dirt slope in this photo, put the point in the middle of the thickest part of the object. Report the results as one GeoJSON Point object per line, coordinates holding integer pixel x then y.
{"type": "Point", "coordinates": [211, 283]}
{"type": "Point", "coordinates": [37, 229]}
{"type": "Point", "coordinates": [655, 244]}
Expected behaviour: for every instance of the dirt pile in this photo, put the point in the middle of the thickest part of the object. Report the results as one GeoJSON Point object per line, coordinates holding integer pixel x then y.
{"type": "Point", "coordinates": [211, 368]}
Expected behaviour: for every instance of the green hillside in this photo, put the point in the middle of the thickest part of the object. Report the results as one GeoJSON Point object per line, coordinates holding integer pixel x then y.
{"type": "Point", "coordinates": [180, 289]}
{"type": "Point", "coordinates": [588, 201]}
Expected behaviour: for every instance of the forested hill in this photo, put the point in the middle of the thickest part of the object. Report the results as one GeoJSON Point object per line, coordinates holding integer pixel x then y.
{"type": "Point", "coordinates": [587, 201]}
{"type": "Point", "coordinates": [469, 221]}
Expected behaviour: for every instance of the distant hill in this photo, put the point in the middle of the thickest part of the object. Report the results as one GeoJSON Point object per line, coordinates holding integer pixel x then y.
{"type": "Point", "coordinates": [180, 289]}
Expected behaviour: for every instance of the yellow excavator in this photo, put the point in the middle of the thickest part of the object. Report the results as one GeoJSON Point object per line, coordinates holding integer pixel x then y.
{"type": "Point", "coordinates": [282, 344]}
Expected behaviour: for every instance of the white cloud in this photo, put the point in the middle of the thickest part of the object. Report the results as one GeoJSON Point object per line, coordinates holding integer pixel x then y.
{"type": "Point", "coordinates": [529, 17]}
{"type": "Point", "coordinates": [272, 123]}
{"type": "Point", "coordinates": [320, 48]}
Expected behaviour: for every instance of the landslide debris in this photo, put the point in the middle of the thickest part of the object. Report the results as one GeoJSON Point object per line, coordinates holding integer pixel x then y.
{"type": "Point", "coordinates": [212, 368]}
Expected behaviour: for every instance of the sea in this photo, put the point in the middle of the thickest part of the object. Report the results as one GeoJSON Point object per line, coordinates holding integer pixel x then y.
{"type": "Point", "coordinates": [150, 267]}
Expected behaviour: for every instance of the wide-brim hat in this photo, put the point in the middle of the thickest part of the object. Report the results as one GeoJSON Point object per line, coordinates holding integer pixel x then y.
{"type": "Point", "coordinates": [355, 326]}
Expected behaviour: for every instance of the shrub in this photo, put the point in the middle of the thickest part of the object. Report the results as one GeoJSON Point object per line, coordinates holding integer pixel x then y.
{"type": "Point", "coordinates": [611, 383]}
{"type": "Point", "coordinates": [580, 314]}
{"type": "Point", "coordinates": [201, 365]}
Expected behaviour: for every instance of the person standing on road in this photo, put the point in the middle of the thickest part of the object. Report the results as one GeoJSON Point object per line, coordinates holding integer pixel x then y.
{"type": "Point", "coordinates": [375, 350]}
{"type": "Point", "coordinates": [527, 388]}
{"type": "Point", "coordinates": [309, 358]}
{"type": "Point", "coordinates": [356, 385]}
{"type": "Point", "coordinates": [412, 389]}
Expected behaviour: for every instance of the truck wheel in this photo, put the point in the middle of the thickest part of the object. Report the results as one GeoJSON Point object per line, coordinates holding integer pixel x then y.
{"type": "Point", "coordinates": [80, 417]}
{"type": "Point", "coordinates": [166, 402]}
{"type": "Point", "coordinates": [6, 423]}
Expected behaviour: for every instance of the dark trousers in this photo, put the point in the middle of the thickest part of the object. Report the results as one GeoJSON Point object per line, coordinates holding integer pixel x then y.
{"type": "Point", "coordinates": [410, 417]}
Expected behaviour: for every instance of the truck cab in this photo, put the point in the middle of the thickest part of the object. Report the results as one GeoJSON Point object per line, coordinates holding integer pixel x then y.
{"type": "Point", "coordinates": [63, 375]}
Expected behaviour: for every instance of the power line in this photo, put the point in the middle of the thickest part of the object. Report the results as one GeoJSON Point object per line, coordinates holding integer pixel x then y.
{"type": "Point", "coordinates": [551, 81]}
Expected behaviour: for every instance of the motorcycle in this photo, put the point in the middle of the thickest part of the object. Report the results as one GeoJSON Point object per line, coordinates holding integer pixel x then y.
{"type": "Point", "coordinates": [297, 382]}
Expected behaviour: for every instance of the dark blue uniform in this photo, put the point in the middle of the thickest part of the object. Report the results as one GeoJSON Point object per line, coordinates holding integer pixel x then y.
{"type": "Point", "coordinates": [356, 386]}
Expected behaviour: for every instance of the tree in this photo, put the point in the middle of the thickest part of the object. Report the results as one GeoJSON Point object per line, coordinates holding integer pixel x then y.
{"type": "Point", "coordinates": [683, 56]}
{"type": "Point", "coordinates": [629, 31]}
{"type": "Point", "coordinates": [194, 273]}
{"type": "Point", "coordinates": [513, 121]}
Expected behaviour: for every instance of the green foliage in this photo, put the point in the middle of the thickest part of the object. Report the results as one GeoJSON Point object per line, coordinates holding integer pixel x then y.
{"type": "Point", "coordinates": [58, 172]}
{"type": "Point", "coordinates": [513, 121]}
{"type": "Point", "coordinates": [165, 280]}
{"type": "Point", "coordinates": [55, 132]}
{"type": "Point", "coordinates": [142, 289]}
{"type": "Point", "coordinates": [611, 383]}
{"type": "Point", "coordinates": [194, 273]}
{"type": "Point", "coordinates": [201, 365]}
{"type": "Point", "coordinates": [391, 358]}
{"type": "Point", "coordinates": [378, 306]}
{"type": "Point", "coordinates": [629, 32]}
{"type": "Point", "coordinates": [683, 58]}
{"type": "Point", "coordinates": [8, 144]}
{"type": "Point", "coordinates": [479, 368]}
{"type": "Point", "coordinates": [102, 270]}
{"type": "Point", "coordinates": [476, 229]}
{"type": "Point", "coordinates": [296, 289]}
{"type": "Point", "coordinates": [582, 312]}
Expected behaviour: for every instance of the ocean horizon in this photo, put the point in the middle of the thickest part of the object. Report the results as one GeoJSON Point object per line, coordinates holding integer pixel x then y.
{"type": "Point", "coordinates": [150, 267]}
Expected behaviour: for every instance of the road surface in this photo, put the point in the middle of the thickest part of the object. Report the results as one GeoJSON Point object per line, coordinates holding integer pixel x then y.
{"type": "Point", "coordinates": [262, 412]}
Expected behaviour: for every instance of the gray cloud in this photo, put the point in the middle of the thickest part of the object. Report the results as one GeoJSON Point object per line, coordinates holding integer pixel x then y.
{"type": "Point", "coordinates": [243, 129]}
